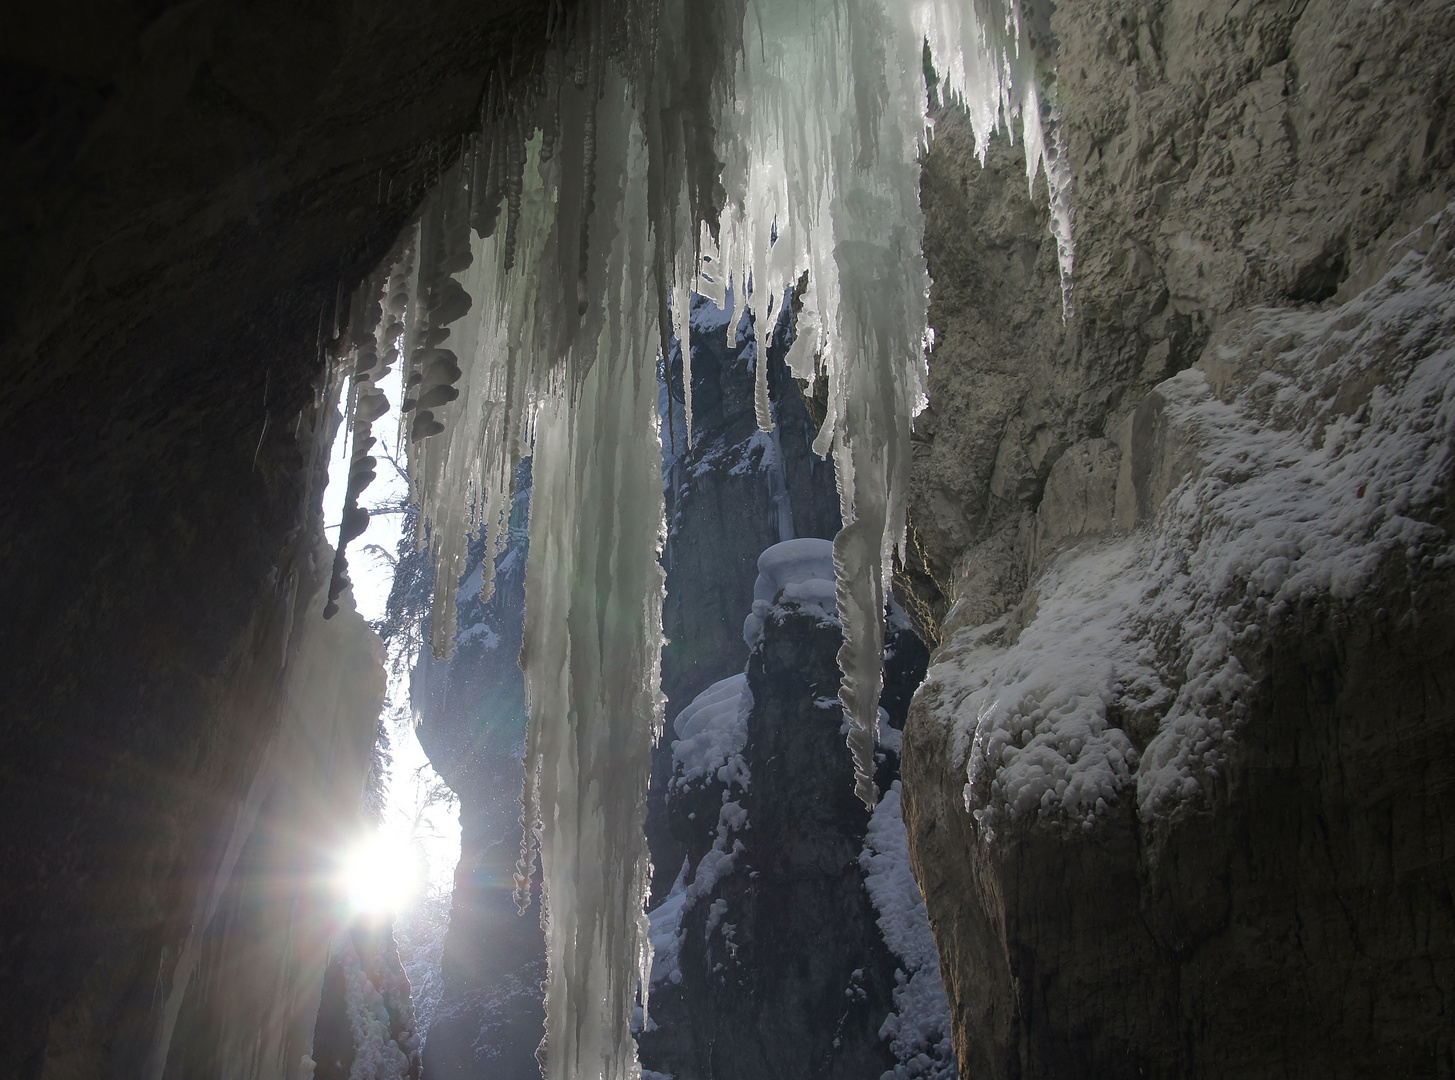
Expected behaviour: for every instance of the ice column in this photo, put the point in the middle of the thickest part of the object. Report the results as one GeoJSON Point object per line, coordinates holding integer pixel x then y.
{"type": "Point", "coordinates": [593, 641]}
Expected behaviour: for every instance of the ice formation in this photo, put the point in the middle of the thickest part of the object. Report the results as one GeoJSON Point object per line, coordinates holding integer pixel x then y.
{"type": "Point", "coordinates": [1286, 490]}
{"type": "Point", "coordinates": [661, 147]}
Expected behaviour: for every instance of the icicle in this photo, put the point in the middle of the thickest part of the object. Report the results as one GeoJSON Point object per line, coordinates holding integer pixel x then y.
{"type": "Point", "coordinates": [995, 58]}
{"type": "Point", "coordinates": [593, 643]}
{"type": "Point", "coordinates": [682, 320]}
{"type": "Point", "coordinates": [760, 386]}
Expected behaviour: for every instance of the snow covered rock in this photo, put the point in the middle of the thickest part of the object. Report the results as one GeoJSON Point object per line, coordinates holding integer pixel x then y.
{"type": "Point", "coordinates": [796, 573]}
{"type": "Point", "coordinates": [789, 943]}
{"type": "Point", "coordinates": [1162, 756]}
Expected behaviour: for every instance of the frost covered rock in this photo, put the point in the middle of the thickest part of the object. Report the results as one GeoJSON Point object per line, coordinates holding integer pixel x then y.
{"type": "Point", "coordinates": [918, 1028]}
{"type": "Point", "coordinates": [1168, 712]}
{"type": "Point", "coordinates": [366, 1026]}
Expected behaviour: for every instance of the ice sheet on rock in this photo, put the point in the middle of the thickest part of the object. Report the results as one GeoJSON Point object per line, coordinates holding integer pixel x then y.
{"type": "Point", "coordinates": [918, 1028]}
{"type": "Point", "coordinates": [717, 863]}
{"type": "Point", "coordinates": [1295, 486]}
{"type": "Point", "coordinates": [712, 731]}
{"type": "Point", "coordinates": [666, 931]}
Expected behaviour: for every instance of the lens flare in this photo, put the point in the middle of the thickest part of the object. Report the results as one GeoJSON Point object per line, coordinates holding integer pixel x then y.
{"type": "Point", "coordinates": [379, 873]}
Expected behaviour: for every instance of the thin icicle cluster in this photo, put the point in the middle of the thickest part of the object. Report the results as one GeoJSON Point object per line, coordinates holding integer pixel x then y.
{"type": "Point", "coordinates": [996, 60]}
{"type": "Point", "coordinates": [663, 147]}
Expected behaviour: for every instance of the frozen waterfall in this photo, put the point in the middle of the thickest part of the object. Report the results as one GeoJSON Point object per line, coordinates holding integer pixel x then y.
{"type": "Point", "coordinates": [660, 147]}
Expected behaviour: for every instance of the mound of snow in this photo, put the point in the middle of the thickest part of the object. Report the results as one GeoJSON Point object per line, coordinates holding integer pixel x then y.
{"type": "Point", "coordinates": [798, 573]}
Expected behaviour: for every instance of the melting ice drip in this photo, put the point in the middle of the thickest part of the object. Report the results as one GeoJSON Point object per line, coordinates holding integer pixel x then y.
{"type": "Point", "coordinates": [661, 147]}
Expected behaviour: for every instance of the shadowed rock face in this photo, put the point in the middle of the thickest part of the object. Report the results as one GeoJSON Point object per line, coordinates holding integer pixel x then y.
{"type": "Point", "coordinates": [472, 722]}
{"type": "Point", "coordinates": [722, 516]}
{"type": "Point", "coordinates": [188, 191]}
{"type": "Point", "coordinates": [784, 971]}
{"type": "Point", "coordinates": [1299, 926]}
{"type": "Point", "coordinates": [1294, 918]}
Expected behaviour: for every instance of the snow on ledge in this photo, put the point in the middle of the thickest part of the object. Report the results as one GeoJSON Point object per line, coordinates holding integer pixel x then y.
{"type": "Point", "coordinates": [1299, 476]}
{"type": "Point", "coordinates": [795, 572]}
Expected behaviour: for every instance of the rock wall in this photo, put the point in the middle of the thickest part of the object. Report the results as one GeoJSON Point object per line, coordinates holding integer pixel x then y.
{"type": "Point", "coordinates": [772, 958]}
{"type": "Point", "coordinates": [1266, 874]}
{"type": "Point", "coordinates": [471, 711]}
{"type": "Point", "coordinates": [189, 190]}
{"type": "Point", "coordinates": [733, 493]}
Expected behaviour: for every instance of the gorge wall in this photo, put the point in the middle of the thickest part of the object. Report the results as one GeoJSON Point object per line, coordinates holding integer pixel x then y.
{"type": "Point", "coordinates": [1173, 783]}
{"type": "Point", "coordinates": [188, 192]}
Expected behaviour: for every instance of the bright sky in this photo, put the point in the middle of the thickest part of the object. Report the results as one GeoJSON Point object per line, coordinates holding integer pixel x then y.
{"type": "Point", "coordinates": [413, 821]}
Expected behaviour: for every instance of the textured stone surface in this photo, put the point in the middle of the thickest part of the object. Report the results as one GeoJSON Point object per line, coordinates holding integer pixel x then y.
{"type": "Point", "coordinates": [1223, 156]}
{"type": "Point", "coordinates": [1298, 923]}
{"type": "Point", "coordinates": [784, 969]}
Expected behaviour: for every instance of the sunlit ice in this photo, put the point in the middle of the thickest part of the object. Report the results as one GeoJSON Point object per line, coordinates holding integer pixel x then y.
{"type": "Point", "coordinates": [379, 873]}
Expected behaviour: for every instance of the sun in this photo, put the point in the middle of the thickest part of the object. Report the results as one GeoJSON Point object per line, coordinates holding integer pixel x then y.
{"type": "Point", "coordinates": [378, 873]}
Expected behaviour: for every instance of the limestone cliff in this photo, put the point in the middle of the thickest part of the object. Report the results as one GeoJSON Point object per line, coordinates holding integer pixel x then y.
{"type": "Point", "coordinates": [1173, 784]}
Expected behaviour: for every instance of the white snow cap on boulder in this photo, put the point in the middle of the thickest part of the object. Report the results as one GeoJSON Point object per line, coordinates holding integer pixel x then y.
{"type": "Point", "coordinates": [799, 572]}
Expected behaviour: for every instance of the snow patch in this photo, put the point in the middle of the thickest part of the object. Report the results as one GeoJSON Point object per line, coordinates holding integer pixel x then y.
{"type": "Point", "coordinates": [918, 1029]}
{"type": "Point", "coordinates": [712, 731]}
{"type": "Point", "coordinates": [798, 574]}
{"type": "Point", "coordinates": [1287, 488]}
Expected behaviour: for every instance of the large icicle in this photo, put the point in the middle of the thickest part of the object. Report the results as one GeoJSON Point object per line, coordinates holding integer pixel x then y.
{"type": "Point", "coordinates": [593, 639]}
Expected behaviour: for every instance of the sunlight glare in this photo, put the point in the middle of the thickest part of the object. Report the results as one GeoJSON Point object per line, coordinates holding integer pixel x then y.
{"type": "Point", "coordinates": [379, 873]}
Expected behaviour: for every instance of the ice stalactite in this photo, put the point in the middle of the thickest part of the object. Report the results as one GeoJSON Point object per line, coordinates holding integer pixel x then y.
{"type": "Point", "coordinates": [822, 175]}
{"type": "Point", "coordinates": [661, 147]}
{"type": "Point", "coordinates": [371, 340]}
{"type": "Point", "coordinates": [593, 641]}
{"type": "Point", "coordinates": [996, 60]}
